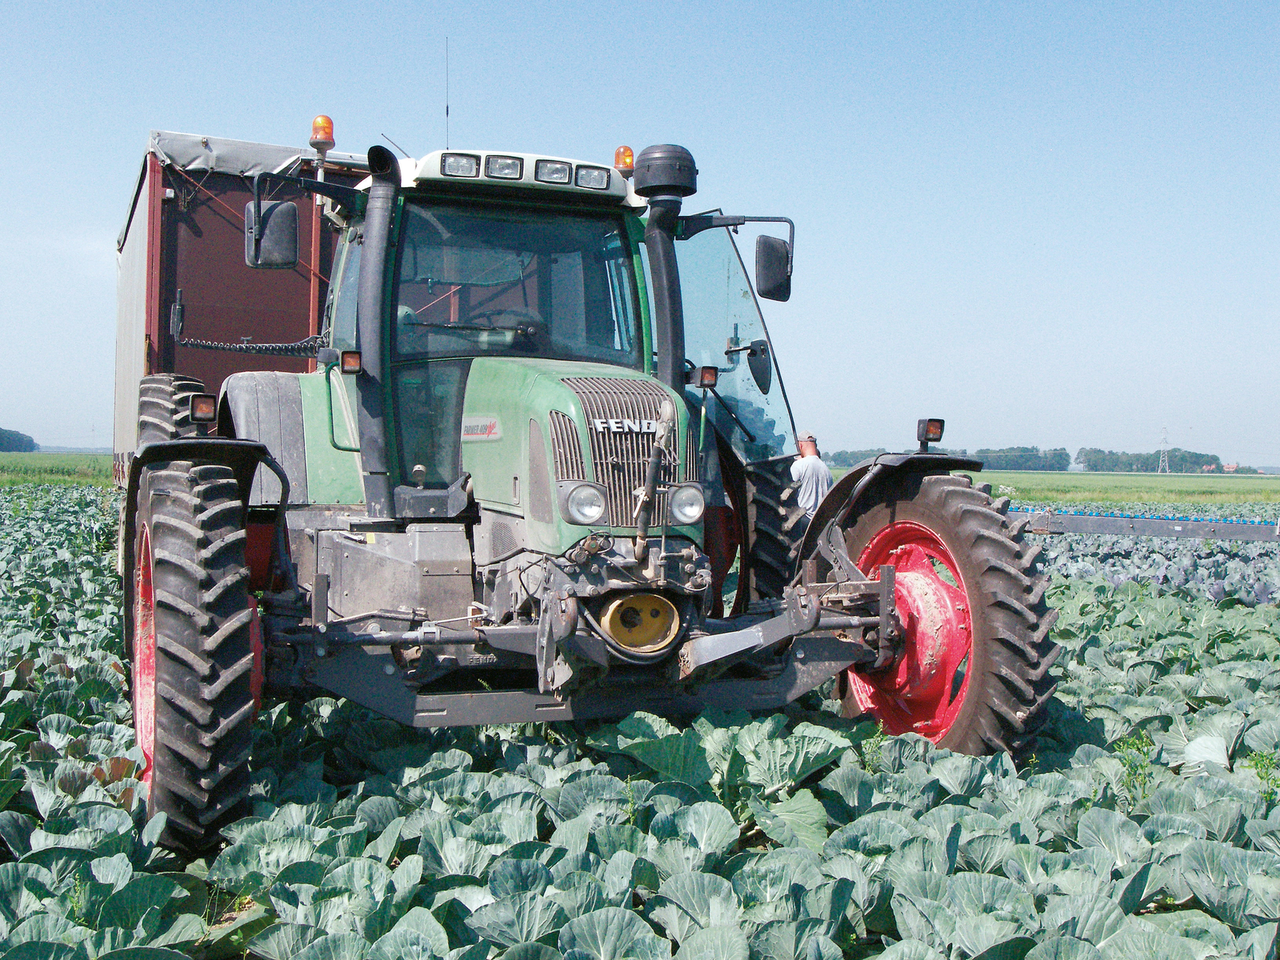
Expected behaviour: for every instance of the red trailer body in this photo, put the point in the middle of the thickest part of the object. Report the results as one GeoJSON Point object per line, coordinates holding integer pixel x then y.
{"type": "Point", "coordinates": [185, 232]}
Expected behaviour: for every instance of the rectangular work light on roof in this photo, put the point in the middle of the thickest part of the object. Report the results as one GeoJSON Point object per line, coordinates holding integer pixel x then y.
{"type": "Point", "coordinates": [552, 171]}
{"type": "Point", "coordinates": [593, 178]}
{"type": "Point", "coordinates": [504, 168]}
{"type": "Point", "coordinates": [459, 165]}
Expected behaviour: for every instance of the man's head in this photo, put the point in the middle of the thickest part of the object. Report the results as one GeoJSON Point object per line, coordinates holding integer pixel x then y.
{"type": "Point", "coordinates": [807, 444]}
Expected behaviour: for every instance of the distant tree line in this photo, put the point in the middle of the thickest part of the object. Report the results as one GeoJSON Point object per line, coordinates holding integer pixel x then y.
{"type": "Point", "coordinates": [1180, 461]}
{"type": "Point", "coordinates": [1024, 458]}
{"type": "Point", "coordinates": [11, 441]}
{"type": "Point", "coordinates": [1058, 459]}
{"type": "Point", "coordinates": [1007, 458]}
{"type": "Point", "coordinates": [844, 459]}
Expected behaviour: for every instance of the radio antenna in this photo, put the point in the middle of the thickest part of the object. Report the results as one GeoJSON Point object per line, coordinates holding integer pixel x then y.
{"type": "Point", "coordinates": [397, 146]}
{"type": "Point", "coordinates": [446, 93]}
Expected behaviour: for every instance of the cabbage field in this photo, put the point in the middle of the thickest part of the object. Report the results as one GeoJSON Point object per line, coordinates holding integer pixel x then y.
{"type": "Point", "coordinates": [1145, 825]}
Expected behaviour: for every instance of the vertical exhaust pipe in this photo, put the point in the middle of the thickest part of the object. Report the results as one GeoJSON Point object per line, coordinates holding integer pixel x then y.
{"type": "Point", "coordinates": [665, 174]}
{"type": "Point", "coordinates": [370, 316]}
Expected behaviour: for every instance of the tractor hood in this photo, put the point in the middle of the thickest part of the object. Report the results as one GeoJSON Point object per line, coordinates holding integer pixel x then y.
{"type": "Point", "coordinates": [532, 427]}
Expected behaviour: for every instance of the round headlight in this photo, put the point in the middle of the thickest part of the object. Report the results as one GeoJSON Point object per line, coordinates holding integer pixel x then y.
{"type": "Point", "coordinates": [687, 504]}
{"type": "Point", "coordinates": [585, 504]}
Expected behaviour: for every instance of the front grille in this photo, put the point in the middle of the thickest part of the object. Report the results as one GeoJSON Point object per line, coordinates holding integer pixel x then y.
{"type": "Point", "coordinates": [567, 449]}
{"type": "Point", "coordinates": [620, 459]}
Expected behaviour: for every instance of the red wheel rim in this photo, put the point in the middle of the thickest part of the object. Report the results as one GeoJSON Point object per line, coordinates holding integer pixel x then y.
{"type": "Point", "coordinates": [144, 656]}
{"type": "Point", "coordinates": [924, 691]}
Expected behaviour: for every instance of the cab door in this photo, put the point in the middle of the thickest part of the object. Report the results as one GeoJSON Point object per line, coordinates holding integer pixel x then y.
{"type": "Point", "coordinates": [724, 329]}
{"type": "Point", "coordinates": [745, 429]}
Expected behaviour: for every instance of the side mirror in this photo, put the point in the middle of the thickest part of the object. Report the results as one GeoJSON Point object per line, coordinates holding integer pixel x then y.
{"type": "Point", "coordinates": [773, 268]}
{"type": "Point", "coordinates": [760, 364]}
{"type": "Point", "coordinates": [271, 238]}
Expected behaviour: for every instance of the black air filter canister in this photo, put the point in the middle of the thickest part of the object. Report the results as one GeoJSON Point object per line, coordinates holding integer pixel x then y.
{"type": "Point", "coordinates": [665, 170]}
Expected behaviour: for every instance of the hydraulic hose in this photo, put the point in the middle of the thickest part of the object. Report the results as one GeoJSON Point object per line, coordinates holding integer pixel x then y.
{"type": "Point", "coordinates": [644, 509]}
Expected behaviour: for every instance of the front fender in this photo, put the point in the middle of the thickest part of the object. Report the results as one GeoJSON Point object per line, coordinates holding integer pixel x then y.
{"type": "Point", "coordinates": [843, 499]}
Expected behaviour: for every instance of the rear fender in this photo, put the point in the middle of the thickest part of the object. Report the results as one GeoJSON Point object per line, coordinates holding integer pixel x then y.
{"type": "Point", "coordinates": [846, 498]}
{"type": "Point", "coordinates": [243, 457]}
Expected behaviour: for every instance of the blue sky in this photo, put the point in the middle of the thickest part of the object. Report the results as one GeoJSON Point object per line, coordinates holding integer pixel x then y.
{"type": "Point", "coordinates": [1051, 224]}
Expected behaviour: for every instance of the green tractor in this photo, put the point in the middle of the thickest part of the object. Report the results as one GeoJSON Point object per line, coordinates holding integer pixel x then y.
{"type": "Point", "coordinates": [541, 471]}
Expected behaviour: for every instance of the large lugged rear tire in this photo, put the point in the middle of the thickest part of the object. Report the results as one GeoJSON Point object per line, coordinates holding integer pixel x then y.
{"type": "Point", "coordinates": [164, 407]}
{"type": "Point", "coordinates": [192, 651]}
{"type": "Point", "coordinates": [776, 525]}
{"type": "Point", "coordinates": [974, 675]}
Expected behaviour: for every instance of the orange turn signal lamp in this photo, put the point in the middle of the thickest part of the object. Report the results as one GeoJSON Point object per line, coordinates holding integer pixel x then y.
{"type": "Point", "coordinates": [929, 431]}
{"type": "Point", "coordinates": [624, 161]}
{"type": "Point", "coordinates": [350, 361]}
{"type": "Point", "coordinates": [204, 408]}
{"type": "Point", "coordinates": [704, 377]}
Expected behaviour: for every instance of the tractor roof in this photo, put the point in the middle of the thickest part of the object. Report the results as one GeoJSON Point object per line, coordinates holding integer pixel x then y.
{"type": "Point", "coordinates": [522, 172]}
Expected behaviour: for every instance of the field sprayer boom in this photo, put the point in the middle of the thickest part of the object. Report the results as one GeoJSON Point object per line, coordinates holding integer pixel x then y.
{"type": "Point", "coordinates": [503, 474]}
{"type": "Point", "coordinates": [1145, 525]}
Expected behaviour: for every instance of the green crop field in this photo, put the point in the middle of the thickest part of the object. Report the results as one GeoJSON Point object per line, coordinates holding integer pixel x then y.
{"type": "Point", "coordinates": [1145, 825]}
{"type": "Point", "coordinates": [1155, 488]}
{"type": "Point", "coordinates": [55, 468]}
{"type": "Point", "coordinates": [1083, 487]}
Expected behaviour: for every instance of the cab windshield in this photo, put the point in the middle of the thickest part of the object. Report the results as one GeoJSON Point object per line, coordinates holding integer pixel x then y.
{"type": "Point", "coordinates": [488, 280]}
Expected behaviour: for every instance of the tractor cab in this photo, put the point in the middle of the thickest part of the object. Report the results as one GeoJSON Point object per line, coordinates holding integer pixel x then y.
{"type": "Point", "coordinates": [519, 346]}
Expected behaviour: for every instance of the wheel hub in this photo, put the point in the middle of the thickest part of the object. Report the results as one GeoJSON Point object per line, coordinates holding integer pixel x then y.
{"type": "Point", "coordinates": [923, 689]}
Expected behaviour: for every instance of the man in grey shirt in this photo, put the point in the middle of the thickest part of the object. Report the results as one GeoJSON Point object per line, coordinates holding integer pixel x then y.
{"type": "Point", "coordinates": [811, 473]}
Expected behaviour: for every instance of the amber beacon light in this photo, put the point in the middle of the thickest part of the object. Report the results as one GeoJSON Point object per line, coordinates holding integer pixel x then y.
{"type": "Point", "coordinates": [624, 161]}
{"type": "Point", "coordinates": [322, 134]}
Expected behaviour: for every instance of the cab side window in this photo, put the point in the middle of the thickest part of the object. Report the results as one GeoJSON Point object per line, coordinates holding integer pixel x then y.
{"type": "Point", "coordinates": [342, 299]}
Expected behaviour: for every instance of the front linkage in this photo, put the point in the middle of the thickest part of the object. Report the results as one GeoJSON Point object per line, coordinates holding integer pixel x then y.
{"type": "Point", "coordinates": [780, 650]}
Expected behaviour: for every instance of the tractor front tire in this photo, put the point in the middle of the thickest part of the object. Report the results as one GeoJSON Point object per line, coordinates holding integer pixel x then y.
{"type": "Point", "coordinates": [192, 650]}
{"type": "Point", "coordinates": [976, 652]}
{"type": "Point", "coordinates": [164, 407]}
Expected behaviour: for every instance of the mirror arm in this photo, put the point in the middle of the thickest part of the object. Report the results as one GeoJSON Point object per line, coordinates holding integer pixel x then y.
{"type": "Point", "coordinates": [791, 236]}
{"type": "Point", "coordinates": [687, 227]}
{"type": "Point", "coordinates": [752, 349]}
{"type": "Point", "coordinates": [348, 197]}
{"type": "Point", "coordinates": [257, 218]}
